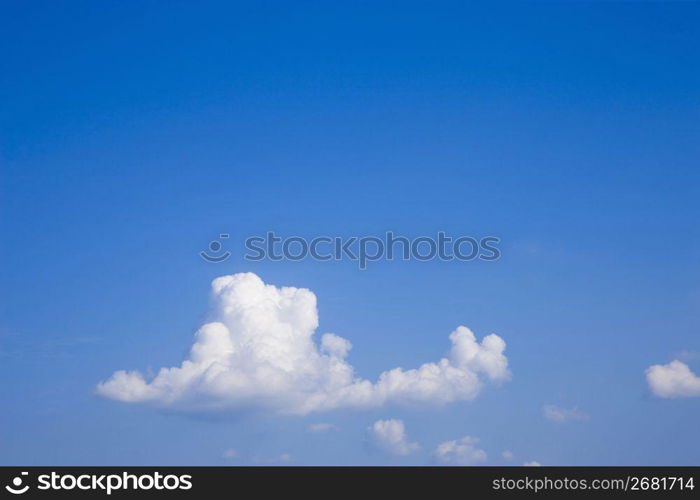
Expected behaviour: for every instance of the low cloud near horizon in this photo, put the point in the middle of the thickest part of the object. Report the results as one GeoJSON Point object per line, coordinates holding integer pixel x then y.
{"type": "Point", "coordinates": [259, 354]}
{"type": "Point", "coordinates": [389, 437]}
{"type": "Point", "coordinates": [462, 451]}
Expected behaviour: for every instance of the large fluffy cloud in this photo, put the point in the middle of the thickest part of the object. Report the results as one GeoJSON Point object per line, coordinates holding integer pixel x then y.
{"type": "Point", "coordinates": [389, 436]}
{"type": "Point", "coordinates": [259, 353]}
{"type": "Point", "coordinates": [673, 380]}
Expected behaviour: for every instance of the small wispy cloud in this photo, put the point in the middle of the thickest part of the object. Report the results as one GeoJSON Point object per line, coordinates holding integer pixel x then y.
{"type": "Point", "coordinates": [321, 428]}
{"type": "Point", "coordinates": [687, 355]}
{"type": "Point", "coordinates": [561, 415]}
{"type": "Point", "coordinates": [284, 458]}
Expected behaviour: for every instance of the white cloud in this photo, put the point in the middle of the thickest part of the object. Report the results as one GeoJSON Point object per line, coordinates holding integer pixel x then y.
{"type": "Point", "coordinates": [561, 415]}
{"type": "Point", "coordinates": [507, 455]}
{"type": "Point", "coordinates": [389, 436]}
{"type": "Point", "coordinates": [230, 453]}
{"type": "Point", "coordinates": [461, 451]}
{"type": "Point", "coordinates": [532, 463]}
{"type": "Point", "coordinates": [673, 380]}
{"type": "Point", "coordinates": [321, 428]}
{"type": "Point", "coordinates": [258, 353]}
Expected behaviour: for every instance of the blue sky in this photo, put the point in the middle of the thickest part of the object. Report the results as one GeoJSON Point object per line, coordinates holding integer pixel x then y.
{"type": "Point", "coordinates": [134, 134]}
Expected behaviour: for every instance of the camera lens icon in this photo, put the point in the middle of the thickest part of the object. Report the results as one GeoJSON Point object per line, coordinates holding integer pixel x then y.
{"type": "Point", "coordinates": [16, 488]}
{"type": "Point", "coordinates": [215, 247]}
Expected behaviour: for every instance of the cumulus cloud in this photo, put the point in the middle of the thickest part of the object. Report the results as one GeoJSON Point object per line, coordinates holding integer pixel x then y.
{"type": "Point", "coordinates": [673, 380]}
{"type": "Point", "coordinates": [533, 463]}
{"type": "Point", "coordinates": [229, 454]}
{"type": "Point", "coordinates": [259, 353]}
{"type": "Point", "coordinates": [321, 428]}
{"type": "Point", "coordinates": [560, 415]}
{"type": "Point", "coordinates": [507, 455]}
{"type": "Point", "coordinates": [461, 451]}
{"type": "Point", "coordinates": [389, 436]}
